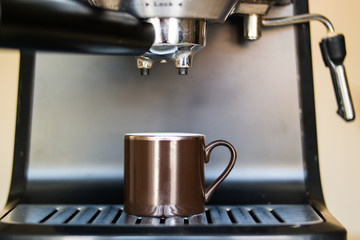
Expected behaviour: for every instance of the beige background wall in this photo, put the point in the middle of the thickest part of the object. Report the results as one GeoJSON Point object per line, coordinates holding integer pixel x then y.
{"type": "Point", "coordinates": [9, 64]}
{"type": "Point", "coordinates": [338, 141]}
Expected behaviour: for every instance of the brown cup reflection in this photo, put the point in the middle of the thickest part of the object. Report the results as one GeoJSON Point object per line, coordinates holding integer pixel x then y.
{"type": "Point", "coordinates": [164, 173]}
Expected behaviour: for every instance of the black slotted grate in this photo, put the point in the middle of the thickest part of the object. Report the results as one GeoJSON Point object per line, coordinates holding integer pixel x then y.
{"type": "Point", "coordinates": [111, 215]}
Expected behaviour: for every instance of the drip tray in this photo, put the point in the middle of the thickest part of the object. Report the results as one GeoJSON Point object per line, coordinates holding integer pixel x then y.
{"type": "Point", "coordinates": [113, 215]}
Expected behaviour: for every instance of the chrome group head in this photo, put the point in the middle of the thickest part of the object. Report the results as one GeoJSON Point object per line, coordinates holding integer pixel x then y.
{"type": "Point", "coordinates": [180, 25]}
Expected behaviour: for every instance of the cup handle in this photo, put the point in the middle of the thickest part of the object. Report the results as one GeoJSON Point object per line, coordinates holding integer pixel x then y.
{"type": "Point", "coordinates": [210, 190]}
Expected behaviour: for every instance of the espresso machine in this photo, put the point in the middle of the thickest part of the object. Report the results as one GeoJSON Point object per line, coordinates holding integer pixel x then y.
{"type": "Point", "coordinates": [234, 69]}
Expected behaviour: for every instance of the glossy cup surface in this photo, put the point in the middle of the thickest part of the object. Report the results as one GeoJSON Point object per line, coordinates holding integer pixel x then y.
{"type": "Point", "coordinates": [164, 174]}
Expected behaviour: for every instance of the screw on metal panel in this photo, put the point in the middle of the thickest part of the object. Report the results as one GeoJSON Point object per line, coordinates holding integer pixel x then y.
{"type": "Point", "coordinates": [144, 71]}
{"type": "Point", "coordinates": [182, 71]}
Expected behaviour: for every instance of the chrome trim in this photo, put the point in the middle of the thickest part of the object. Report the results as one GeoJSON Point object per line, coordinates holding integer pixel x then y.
{"type": "Point", "coordinates": [163, 136]}
{"type": "Point", "coordinates": [175, 39]}
{"type": "Point", "coordinates": [252, 26]}
{"type": "Point", "coordinates": [303, 18]}
{"type": "Point", "coordinates": [346, 106]}
{"type": "Point", "coordinates": [215, 10]}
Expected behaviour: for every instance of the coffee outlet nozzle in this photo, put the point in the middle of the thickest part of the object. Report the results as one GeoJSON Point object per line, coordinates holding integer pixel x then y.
{"type": "Point", "coordinates": [176, 40]}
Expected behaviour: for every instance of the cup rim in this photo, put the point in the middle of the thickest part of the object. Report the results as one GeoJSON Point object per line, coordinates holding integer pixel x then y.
{"type": "Point", "coordinates": [162, 136]}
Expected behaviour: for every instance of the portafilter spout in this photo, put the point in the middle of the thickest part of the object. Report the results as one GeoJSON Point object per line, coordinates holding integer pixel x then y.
{"type": "Point", "coordinates": [180, 27]}
{"type": "Point", "coordinates": [176, 39]}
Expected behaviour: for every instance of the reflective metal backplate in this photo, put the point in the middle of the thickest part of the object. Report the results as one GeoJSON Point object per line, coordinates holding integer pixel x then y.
{"type": "Point", "coordinates": [113, 215]}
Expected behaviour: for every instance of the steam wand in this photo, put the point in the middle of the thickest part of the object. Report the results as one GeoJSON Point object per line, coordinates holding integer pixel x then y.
{"type": "Point", "coordinates": [333, 51]}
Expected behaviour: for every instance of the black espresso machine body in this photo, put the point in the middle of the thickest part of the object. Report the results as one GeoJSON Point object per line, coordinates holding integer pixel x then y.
{"type": "Point", "coordinates": [73, 110]}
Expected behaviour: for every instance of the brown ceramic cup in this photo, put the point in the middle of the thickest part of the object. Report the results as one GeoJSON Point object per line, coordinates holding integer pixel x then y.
{"type": "Point", "coordinates": [164, 173]}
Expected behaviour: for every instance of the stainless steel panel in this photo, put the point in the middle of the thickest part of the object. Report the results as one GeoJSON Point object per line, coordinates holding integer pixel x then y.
{"type": "Point", "coordinates": [246, 93]}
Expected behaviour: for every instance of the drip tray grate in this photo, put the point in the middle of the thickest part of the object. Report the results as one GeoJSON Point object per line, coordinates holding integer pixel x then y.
{"type": "Point", "coordinates": [113, 215]}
